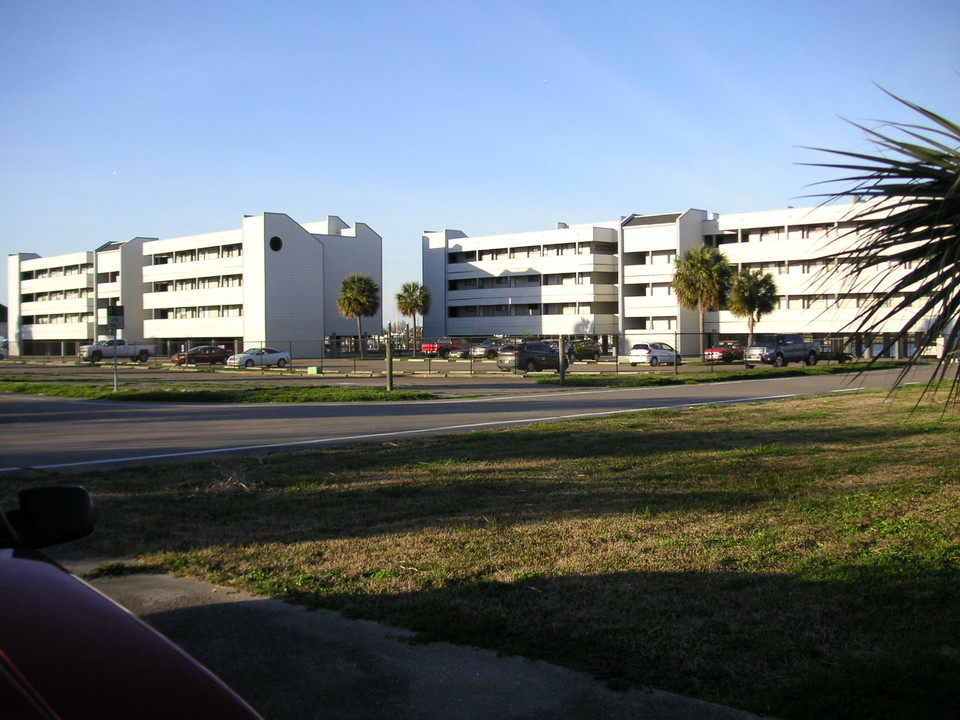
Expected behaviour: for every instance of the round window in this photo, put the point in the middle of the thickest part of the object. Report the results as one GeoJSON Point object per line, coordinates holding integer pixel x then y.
{"type": "Point", "coordinates": [275, 243]}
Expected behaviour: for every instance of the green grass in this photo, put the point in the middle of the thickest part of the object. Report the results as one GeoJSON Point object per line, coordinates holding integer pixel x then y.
{"type": "Point", "coordinates": [798, 559]}
{"type": "Point", "coordinates": [211, 395]}
{"type": "Point", "coordinates": [718, 373]}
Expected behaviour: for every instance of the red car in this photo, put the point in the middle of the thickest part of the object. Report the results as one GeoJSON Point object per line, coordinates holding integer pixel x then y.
{"type": "Point", "coordinates": [67, 652]}
{"type": "Point", "coordinates": [724, 351]}
{"type": "Point", "coordinates": [210, 354]}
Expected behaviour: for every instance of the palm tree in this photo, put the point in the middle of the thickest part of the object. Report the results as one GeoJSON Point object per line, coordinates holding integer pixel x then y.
{"type": "Point", "coordinates": [359, 298]}
{"type": "Point", "coordinates": [412, 300]}
{"type": "Point", "coordinates": [911, 219]}
{"type": "Point", "coordinates": [752, 295]}
{"type": "Point", "coordinates": [700, 281]}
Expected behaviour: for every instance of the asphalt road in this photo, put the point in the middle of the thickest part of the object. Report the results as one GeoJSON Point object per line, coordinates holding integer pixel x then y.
{"type": "Point", "coordinates": [45, 433]}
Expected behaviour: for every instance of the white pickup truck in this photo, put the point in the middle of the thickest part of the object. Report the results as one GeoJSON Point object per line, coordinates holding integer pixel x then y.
{"type": "Point", "coordinates": [105, 350]}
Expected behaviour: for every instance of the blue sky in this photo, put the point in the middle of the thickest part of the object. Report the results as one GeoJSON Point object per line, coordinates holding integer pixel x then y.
{"type": "Point", "coordinates": [125, 118]}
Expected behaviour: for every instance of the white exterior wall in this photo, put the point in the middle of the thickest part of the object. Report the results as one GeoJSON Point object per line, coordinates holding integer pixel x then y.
{"type": "Point", "coordinates": [206, 325]}
{"type": "Point", "coordinates": [70, 274]}
{"type": "Point", "coordinates": [789, 244]}
{"type": "Point", "coordinates": [127, 260]}
{"type": "Point", "coordinates": [288, 295]}
{"type": "Point", "coordinates": [434, 259]}
{"type": "Point", "coordinates": [229, 287]}
{"type": "Point", "coordinates": [538, 283]}
{"type": "Point", "coordinates": [348, 250]}
{"type": "Point", "coordinates": [651, 246]}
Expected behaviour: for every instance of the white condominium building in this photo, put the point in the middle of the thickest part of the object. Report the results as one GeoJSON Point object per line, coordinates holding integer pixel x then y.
{"type": "Point", "coordinates": [613, 280]}
{"type": "Point", "coordinates": [271, 282]}
{"type": "Point", "coordinates": [555, 282]}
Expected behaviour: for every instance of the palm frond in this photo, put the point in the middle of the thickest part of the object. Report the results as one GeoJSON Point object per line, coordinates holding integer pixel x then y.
{"type": "Point", "coordinates": [909, 216]}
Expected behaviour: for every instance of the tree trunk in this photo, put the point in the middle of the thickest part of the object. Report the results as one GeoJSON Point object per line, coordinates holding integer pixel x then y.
{"type": "Point", "coordinates": [702, 313]}
{"type": "Point", "coordinates": [360, 336]}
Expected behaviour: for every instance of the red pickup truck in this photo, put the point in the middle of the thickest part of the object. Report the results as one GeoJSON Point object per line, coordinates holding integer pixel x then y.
{"type": "Point", "coordinates": [442, 347]}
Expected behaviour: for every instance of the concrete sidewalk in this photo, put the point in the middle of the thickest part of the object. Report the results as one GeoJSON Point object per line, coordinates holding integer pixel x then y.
{"type": "Point", "coordinates": [291, 663]}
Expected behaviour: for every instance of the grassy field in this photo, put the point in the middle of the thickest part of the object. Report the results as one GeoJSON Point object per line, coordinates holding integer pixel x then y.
{"type": "Point", "coordinates": [147, 391]}
{"type": "Point", "coordinates": [799, 559]}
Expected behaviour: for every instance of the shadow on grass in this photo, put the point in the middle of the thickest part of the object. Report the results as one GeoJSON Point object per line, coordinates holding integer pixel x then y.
{"type": "Point", "coordinates": [875, 639]}
{"type": "Point", "coordinates": [523, 475]}
{"type": "Point", "coordinates": [872, 646]}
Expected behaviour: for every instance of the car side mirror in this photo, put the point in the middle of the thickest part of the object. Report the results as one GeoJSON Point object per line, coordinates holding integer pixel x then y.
{"type": "Point", "coordinates": [52, 515]}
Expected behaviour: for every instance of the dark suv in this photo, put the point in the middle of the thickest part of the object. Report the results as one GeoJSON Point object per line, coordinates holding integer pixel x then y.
{"type": "Point", "coordinates": [529, 356]}
{"type": "Point", "coordinates": [583, 350]}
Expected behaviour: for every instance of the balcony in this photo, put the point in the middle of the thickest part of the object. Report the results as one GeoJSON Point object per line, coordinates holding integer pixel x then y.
{"type": "Point", "coordinates": [193, 298]}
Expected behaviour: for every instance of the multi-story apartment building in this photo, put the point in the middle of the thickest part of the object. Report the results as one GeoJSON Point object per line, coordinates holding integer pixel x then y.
{"type": "Point", "coordinates": [271, 282]}
{"type": "Point", "coordinates": [614, 279]}
{"type": "Point", "coordinates": [51, 301]}
{"type": "Point", "coordinates": [556, 282]}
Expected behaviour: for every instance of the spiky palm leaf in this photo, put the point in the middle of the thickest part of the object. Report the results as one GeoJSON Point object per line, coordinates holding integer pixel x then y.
{"type": "Point", "coordinates": [910, 218]}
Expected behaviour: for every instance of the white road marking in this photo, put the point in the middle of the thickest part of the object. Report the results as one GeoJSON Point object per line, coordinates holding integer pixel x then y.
{"type": "Point", "coordinates": [391, 434]}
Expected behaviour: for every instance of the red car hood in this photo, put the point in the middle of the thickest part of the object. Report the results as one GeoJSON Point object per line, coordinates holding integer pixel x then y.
{"type": "Point", "coordinates": [66, 651]}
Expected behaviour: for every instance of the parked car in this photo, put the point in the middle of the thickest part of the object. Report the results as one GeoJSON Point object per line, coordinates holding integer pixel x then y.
{"type": "Point", "coordinates": [259, 357]}
{"type": "Point", "coordinates": [69, 652]}
{"type": "Point", "coordinates": [582, 350]}
{"type": "Point", "coordinates": [209, 354]}
{"type": "Point", "coordinates": [724, 351]}
{"type": "Point", "coordinates": [443, 347]}
{"type": "Point", "coordinates": [487, 349]}
{"type": "Point", "coordinates": [528, 356]}
{"type": "Point", "coordinates": [654, 353]}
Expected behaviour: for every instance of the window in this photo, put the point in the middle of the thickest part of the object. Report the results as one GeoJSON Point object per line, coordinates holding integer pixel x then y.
{"type": "Point", "coordinates": [461, 257]}
{"type": "Point", "coordinates": [229, 251]}
{"type": "Point", "coordinates": [464, 284]}
{"type": "Point", "coordinates": [494, 310]}
{"type": "Point", "coordinates": [814, 302]}
{"type": "Point", "coordinates": [525, 252]}
{"type": "Point", "coordinates": [526, 309]}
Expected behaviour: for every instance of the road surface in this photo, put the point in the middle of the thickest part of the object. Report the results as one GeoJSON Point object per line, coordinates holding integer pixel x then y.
{"type": "Point", "coordinates": [46, 433]}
